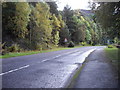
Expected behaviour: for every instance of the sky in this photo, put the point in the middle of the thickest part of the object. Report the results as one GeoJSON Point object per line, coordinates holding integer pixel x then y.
{"type": "Point", "coordinates": [74, 4]}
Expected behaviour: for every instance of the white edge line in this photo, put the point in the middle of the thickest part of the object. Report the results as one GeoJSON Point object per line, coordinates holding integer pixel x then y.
{"type": "Point", "coordinates": [29, 65]}
{"type": "Point", "coordinates": [89, 52]}
{"type": "Point", "coordinates": [14, 70]}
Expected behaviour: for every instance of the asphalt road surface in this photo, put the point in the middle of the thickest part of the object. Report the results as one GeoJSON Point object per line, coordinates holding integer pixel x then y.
{"type": "Point", "coordinates": [97, 72]}
{"type": "Point", "coordinates": [44, 70]}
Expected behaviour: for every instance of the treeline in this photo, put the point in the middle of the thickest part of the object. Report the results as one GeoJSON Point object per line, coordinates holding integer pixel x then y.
{"type": "Point", "coordinates": [107, 15]}
{"type": "Point", "coordinates": [39, 26]}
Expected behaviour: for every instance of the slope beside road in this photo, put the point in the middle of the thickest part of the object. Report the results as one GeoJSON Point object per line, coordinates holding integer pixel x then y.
{"type": "Point", "coordinates": [44, 70]}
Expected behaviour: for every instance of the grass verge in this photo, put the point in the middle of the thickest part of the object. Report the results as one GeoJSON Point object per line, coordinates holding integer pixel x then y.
{"type": "Point", "coordinates": [15, 54]}
{"type": "Point", "coordinates": [74, 78]}
{"type": "Point", "coordinates": [112, 54]}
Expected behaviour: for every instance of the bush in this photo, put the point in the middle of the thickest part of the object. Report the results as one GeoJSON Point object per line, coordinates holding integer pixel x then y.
{"type": "Point", "coordinates": [118, 42]}
{"type": "Point", "coordinates": [110, 46]}
{"type": "Point", "coordinates": [38, 47]}
{"type": "Point", "coordinates": [1, 45]}
{"type": "Point", "coordinates": [93, 43]}
{"type": "Point", "coordinates": [83, 43]}
{"type": "Point", "coordinates": [3, 50]}
{"type": "Point", "coordinates": [14, 48]}
{"type": "Point", "coordinates": [71, 44]}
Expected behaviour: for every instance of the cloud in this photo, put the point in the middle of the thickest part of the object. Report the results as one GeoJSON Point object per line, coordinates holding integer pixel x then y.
{"type": "Point", "coordinates": [75, 4]}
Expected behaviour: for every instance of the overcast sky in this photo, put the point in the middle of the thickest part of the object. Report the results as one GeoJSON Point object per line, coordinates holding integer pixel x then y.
{"type": "Point", "coordinates": [75, 4]}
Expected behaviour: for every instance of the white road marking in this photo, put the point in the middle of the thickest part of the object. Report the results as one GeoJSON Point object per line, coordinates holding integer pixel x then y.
{"type": "Point", "coordinates": [29, 65]}
{"type": "Point", "coordinates": [14, 70]}
{"type": "Point", "coordinates": [44, 60]}
{"type": "Point", "coordinates": [86, 54]}
{"type": "Point", "coordinates": [57, 56]}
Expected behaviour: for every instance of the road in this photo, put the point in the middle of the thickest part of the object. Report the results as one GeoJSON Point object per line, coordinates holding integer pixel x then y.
{"type": "Point", "coordinates": [44, 70]}
{"type": "Point", "coordinates": [97, 72]}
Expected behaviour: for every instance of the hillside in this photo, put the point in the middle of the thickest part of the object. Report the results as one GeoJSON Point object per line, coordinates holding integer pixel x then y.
{"type": "Point", "coordinates": [87, 13]}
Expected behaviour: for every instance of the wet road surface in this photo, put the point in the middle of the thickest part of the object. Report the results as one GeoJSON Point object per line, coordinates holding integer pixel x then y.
{"type": "Point", "coordinates": [44, 70]}
{"type": "Point", "coordinates": [97, 72]}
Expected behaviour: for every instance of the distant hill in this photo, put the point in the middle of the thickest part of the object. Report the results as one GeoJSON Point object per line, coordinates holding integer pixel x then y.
{"type": "Point", "coordinates": [87, 13]}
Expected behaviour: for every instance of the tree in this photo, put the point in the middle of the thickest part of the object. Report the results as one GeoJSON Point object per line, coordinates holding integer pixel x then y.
{"type": "Point", "coordinates": [21, 19]}
{"type": "Point", "coordinates": [79, 30]}
{"type": "Point", "coordinates": [76, 24]}
{"type": "Point", "coordinates": [108, 15]}
{"type": "Point", "coordinates": [64, 31]}
{"type": "Point", "coordinates": [68, 19]}
{"type": "Point", "coordinates": [53, 8]}
{"type": "Point", "coordinates": [15, 20]}
{"type": "Point", "coordinates": [88, 36]}
{"type": "Point", "coordinates": [8, 13]}
{"type": "Point", "coordinates": [55, 30]}
{"type": "Point", "coordinates": [41, 29]}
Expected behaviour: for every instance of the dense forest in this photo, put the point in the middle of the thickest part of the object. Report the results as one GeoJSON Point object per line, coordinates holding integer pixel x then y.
{"type": "Point", "coordinates": [107, 15]}
{"type": "Point", "coordinates": [40, 26]}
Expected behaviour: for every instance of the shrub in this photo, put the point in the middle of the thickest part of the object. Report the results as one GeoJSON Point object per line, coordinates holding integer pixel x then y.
{"type": "Point", "coordinates": [38, 47]}
{"type": "Point", "coordinates": [1, 45]}
{"type": "Point", "coordinates": [110, 46]}
{"type": "Point", "coordinates": [3, 50]}
{"type": "Point", "coordinates": [83, 43]}
{"type": "Point", "coordinates": [71, 44]}
{"type": "Point", "coordinates": [14, 48]}
{"type": "Point", "coordinates": [118, 42]}
{"type": "Point", "coordinates": [118, 45]}
{"type": "Point", "coordinates": [93, 43]}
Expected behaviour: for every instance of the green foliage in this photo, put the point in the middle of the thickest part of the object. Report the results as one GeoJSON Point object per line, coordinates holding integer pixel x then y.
{"type": "Point", "coordinates": [83, 43]}
{"type": "Point", "coordinates": [15, 18]}
{"type": "Point", "coordinates": [113, 56]}
{"type": "Point", "coordinates": [64, 33]}
{"type": "Point", "coordinates": [81, 28]}
{"type": "Point", "coordinates": [110, 46]}
{"type": "Point", "coordinates": [116, 40]}
{"type": "Point", "coordinates": [71, 44]}
{"type": "Point", "coordinates": [40, 32]}
{"type": "Point", "coordinates": [88, 35]}
{"type": "Point", "coordinates": [108, 15]}
{"type": "Point", "coordinates": [38, 47]}
{"type": "Point", "coordinates": [14, 54]}
{"type": "Point", "coordinates": [68, 19]}
{"type": "Point", "coordinates": [14, 48]}
{"type": "Point", "coordinates": [21, 19]}
{"type": "Point", "coordinates": [76, 34]}
{"type": "Point", "coordinates": [2, 49]}
{"type": "Point", "coordinates": [75, 25]}
{"type": "Point", "coordinates": [39, 26]}
{"type": "Point", "coordinates": [56, 29]}
{"type": "Point", "coordinates": [53, 8]}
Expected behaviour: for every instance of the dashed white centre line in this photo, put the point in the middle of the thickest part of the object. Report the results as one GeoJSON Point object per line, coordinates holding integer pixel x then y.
{"type": "Point", "coordinates": [44, 60]}
{"type": "Point", "coordinates": [14, 70]}
{"type": "Point", "coordinates": [38, 62]}
{"type": "Point", "coordinates": [29, 65]}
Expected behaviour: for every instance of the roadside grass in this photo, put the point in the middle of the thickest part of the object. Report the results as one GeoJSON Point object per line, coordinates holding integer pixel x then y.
{"type": "Point", "coordinates": [15, 54]}
{"type": "Point", "coordinates": [112, 54]}
{"type": "Point", "coordinates": [75, 76]}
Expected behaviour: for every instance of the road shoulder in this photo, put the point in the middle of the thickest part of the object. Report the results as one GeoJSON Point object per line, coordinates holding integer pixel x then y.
{"type": "Point", "coordinates": [97, 73]}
